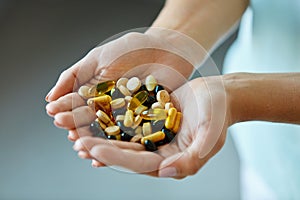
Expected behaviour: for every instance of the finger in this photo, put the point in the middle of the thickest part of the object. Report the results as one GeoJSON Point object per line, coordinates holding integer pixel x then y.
{"type": "Point", "coordinates": [79, 132]}
{"type": "Point", "coordinates": [180, 165]}
{"type": "Point", "coordinates": [74, 76]}
{"type": "Point", "coordinates": [87, 143]}
{"type": "Point", "coordinates": [96, 164]}
{"type": "Point", "coordinates": [137, 161]}
{"type": "Point", "coordinates": [65, 103]}
{"type": "Point", "coordinates": [81, 116]}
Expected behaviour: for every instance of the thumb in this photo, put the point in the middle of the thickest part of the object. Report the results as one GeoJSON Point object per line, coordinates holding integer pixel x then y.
{"type": "Point", "coordinates": [180, 165]}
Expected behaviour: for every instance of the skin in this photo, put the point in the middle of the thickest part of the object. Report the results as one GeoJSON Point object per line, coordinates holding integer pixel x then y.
{"type": "Point", "coordinates": [209, 105]}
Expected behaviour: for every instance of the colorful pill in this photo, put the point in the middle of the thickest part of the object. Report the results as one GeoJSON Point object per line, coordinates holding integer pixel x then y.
{"type": "Point", "coordinates": [177, 122]}
{"type": "Point", "coordinates": [122, 81]}
{"type": "Point", "coordinates": [83, 91]}
{"type": "Point", "coordinates": [150, 83]}
{"type": "Point", "coordinates": [157, 105]}
{"type": "Point", "coordinates": [169, 135]}
{"type": "Point", "coordinates": [147, 129]}
{"type": "Point", "coordinates": [105, 99]}
{"type": "Point", "coordinates": [170, 121]}
{"type": "Point", "coordinates": [154, 114]}
{"type": "Point", "coordinates": [114, 137]}
{"type": "Point", "coordinates": [133, 84]}
{"type": "Point", "coordinates": [117, 103]}
{"type": "Point", "coordinates": [136, 138]}
{"type": "Point", "coordinates": [128, 120]}
{"type": "Point", "coordinates": [138, 100]}
{"type": "Point", "coordinates": [124, 90]}
{"type": "Point", "coordinates": [112, 130]}
{"type": "Point", "coordinates": [154, 137]}
{"type": "Point", "coordinates": [105, 87]}
{"type": "Point", "coordinates": [163, 97]}
{"type": "Point", "coordinates": [125, 137]}
{"type": "Point", "coordinates": [137, 121]}
{"type": "Point", "coordinates": [103, 116]}
{"type": "Point", "coordinates": [150, 146]}
{"type": "Point", "coordinates": [158, 88]}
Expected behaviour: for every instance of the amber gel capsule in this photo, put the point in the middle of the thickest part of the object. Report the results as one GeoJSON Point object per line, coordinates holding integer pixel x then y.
{"type": "Point", "coordinates": [154, 114]}
{"type": "Point", "coordinates": [138, 100]}
{"type": "Point", "coordinates": [101, 88]}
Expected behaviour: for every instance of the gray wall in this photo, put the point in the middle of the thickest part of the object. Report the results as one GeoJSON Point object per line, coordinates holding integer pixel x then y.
{"type": "Point", "coordinates": [39, 39]}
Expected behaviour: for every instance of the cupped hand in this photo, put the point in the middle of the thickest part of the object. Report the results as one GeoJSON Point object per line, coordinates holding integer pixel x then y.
{"type": "Point", "coordinates": [134, 54]}
{"type": "Point", "coordinates": [203, 103]}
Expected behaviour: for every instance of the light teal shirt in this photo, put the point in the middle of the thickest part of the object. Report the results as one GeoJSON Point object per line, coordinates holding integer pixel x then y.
{"type": "Point", "coordinates": [269, 41]}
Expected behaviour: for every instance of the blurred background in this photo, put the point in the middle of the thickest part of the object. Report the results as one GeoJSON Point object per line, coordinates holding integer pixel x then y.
{"type": "Point", "coordinates": [38, 40]}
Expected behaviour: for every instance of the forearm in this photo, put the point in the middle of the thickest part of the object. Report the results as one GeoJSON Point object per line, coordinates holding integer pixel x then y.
{"type": "Point", "coordinates": [266, 97]}
{"type": "Point", "coordinates": [206, 21]}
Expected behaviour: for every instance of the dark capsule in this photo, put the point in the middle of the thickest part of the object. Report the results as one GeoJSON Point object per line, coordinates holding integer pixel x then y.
{"type": "Point", "coordinates": [169, 135]}
{"type": "Point", "coordinates": [150, 146]}
{"type": "Point", "coordinates": [115, 93]}
{"type": "Point", "coordinates": [158, 88]}
{"type": "Point", "coordinates": [142, 88]}
{"type": "Point", "coordinates": [124, 129]}
{"type": "Point", "coordinates": [157, 125]}
{"type": "Point", "coordinates": [160, 143]}
{"type": "Point", "coordinates": [97, 130]}
{"type": "Point", "coordinates": [150, 100]}
{"type": "Point", "coordinates": [125, 137]}
{"type": "Point", "coordinates": [111, 137]}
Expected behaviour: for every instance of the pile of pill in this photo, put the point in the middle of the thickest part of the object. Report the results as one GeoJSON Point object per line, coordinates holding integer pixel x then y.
{"type": "Point", "coordinates": [130, 111]}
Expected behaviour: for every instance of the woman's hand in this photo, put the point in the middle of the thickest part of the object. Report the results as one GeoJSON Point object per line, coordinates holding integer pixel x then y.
{"type": "Point", "coordinates": [204, 107]}
{"type": "Point", "coordinates": [134, 54]}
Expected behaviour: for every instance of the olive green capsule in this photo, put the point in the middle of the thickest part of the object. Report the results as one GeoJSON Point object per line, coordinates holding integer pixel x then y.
{"type": "Point", "coordinates": [154, 114]}
{"type": "Point", "coordinates": [138, 100]}
{"type": "Point", "coordinates": [104, 87]}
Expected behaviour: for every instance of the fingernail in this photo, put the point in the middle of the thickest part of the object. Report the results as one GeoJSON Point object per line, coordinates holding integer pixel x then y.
{"type": "Point", "coordinates": [168, 172]}
{"type": "Point", "coordinates": [77, 145]}
{"type": "Point", "coordinates": [48, 95]}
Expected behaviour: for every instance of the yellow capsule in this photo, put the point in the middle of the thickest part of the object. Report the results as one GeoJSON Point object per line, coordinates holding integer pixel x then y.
{"type": "Point", "coordinates": [170, 121]}
{"type": "Point", "coordinates": [177, 122]}
{"type": "Point", "coordinates": [128, 120]}
{"type": "Point", "coordinates": [105, 99]}
{"type": "Point", "coordinates": [154, 137]}
{"type": "Point", "coordinates": [104, 87]}
{"type": "Point", "coordinates": [154, 114]}
{"type": "Point", "coordinates": [138, 100]}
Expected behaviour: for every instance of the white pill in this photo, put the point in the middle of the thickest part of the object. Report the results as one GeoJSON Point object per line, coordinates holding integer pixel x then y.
{"type": "Point", "coordinates": [133, 84]}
